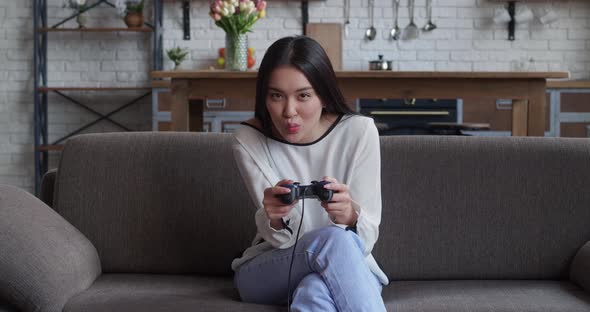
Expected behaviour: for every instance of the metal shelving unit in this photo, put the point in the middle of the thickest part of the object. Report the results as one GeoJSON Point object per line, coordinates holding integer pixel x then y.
{"type": "Point", "coordinates": [41, 88]}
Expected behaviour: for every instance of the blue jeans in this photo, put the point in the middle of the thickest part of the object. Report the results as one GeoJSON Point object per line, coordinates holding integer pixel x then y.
{"type": "Point", "coordinates": [329, 274]}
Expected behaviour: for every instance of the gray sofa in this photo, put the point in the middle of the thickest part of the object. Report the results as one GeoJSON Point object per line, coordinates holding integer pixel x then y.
{"type": "Point", "coordinates": [151, 222]}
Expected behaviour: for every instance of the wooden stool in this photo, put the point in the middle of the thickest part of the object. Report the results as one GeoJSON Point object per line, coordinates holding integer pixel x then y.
{"type": "Point", "coordinates": [454, 128]}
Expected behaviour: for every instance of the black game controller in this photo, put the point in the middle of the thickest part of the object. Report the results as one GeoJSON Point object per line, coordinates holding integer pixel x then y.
{"type": "Point", "coordinates": [314, 190]}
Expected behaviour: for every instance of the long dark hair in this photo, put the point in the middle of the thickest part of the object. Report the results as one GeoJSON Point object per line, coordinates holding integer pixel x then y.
{"type": "Point", "coordinates": [308, 56]}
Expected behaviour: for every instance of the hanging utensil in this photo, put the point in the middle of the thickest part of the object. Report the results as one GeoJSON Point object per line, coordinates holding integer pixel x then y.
{"type": "Point", "coordinates": [346, 17]}
{"type": "Point", "coordinates": [371, 32]}
{"type": "Point", "coordinates": [395, 31]}
{"type": "Point", "coordinates": [411, 31]}
{"type": "Point", "coordinates": [429, 25]}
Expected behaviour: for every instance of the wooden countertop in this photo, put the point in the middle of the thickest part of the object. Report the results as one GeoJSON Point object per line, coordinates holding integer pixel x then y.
{"type": "Point", "coordinates": [222, 74]}
{"type": "Point", "coordinates": [568, 84]}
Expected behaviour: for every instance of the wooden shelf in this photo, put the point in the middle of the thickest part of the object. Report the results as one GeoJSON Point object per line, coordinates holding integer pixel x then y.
{"type": "Point", "coordinates": [47, 148]}
{"type": "Point", "coordinates": [49, 89]}
{"type": "Point", "coordinates": [126, 29]}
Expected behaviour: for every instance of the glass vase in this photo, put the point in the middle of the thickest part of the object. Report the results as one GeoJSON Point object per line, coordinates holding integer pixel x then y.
{"type": "Point", "coordinates": [236, 52]}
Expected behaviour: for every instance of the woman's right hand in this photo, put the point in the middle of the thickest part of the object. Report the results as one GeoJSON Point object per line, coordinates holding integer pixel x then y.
{"type": "Point", "coordinates": [274, 208]}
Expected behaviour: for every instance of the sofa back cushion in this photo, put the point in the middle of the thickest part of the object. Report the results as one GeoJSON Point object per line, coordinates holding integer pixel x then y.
{"type": "Point", "coordinates": [483, 208]}
{"type": "Point", "coordinates": [157, 202]}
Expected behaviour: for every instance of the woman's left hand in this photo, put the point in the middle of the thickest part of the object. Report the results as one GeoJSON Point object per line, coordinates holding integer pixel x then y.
{"type": "Point", "coordinates": [340, 207]}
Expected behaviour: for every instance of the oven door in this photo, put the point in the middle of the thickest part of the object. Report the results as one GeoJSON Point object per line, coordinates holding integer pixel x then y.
{"type": "Point", "coordinates": [408, 116]}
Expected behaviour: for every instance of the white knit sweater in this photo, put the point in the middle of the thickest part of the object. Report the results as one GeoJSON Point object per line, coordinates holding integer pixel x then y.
{"type": "Point", "coordinates": [348, 151]}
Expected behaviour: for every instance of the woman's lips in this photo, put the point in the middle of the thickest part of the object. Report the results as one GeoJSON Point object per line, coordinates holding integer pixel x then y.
{"type": "Point", "coordinates": [292, 128]}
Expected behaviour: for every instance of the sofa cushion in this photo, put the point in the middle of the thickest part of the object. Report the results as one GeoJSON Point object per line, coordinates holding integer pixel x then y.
{"type": "Point", "coordinates": [5, 307]}
{"type": "Point", "coordinates": [485, 296]}
{"type": "Point", "coordinates": [483, 207]}
{"type": "Point", "coordinates": [157, 202]}
{"type": "Point", "coordinates": [161, 293]}
{"type": "Point", "coordinates": [136, 292]}
{"type": "Point", "coordinates": [580, 269]}
{"type": "Point", "coordinates": [44, 260]}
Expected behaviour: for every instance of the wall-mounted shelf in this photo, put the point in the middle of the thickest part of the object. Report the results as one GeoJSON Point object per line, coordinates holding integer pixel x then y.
{"type": "Point", "coordinates": [49, 89]}
{"type": "Point", "coordinates": [48, 148]}
{"type": "Point", "coordinates": [186, 8]}
{"type": "Point", "coordinates": [126, 29]}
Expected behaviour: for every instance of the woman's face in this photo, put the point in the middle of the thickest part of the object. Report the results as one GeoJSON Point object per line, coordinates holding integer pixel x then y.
{"type": "Point", "coordinates": [294, 107]}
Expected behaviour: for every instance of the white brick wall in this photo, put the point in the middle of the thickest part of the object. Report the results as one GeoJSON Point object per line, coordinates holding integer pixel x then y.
{"type": "Point", "coordinates": [74, 59]}
{"type": "Point", "coordinates": [465, 40]}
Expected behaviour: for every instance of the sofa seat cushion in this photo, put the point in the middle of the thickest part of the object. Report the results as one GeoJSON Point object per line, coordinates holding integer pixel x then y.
{"type": "Point", "coordinates": [5, 307]}
{"type": "Point", "coordinates": [161, 293]}
{"type": "Point", "coordinates": [485, 295]}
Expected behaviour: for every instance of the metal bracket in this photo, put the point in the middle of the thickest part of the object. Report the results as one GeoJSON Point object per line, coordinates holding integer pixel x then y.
{"type": "Point", "coordinates": [512, 23]}
{"type": "Point", "coordinates": [186, 19]}
{"type": "Point", "coordinates": [101, 116]}
{"type": "Point", "coordinates": [304, 15]}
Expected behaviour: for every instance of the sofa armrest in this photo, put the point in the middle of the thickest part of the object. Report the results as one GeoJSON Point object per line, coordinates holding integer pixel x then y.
{"type": "Point", "coordinates": [44, 260]}
{"type": "Point", "coordinates": [580, 268]}
{"type": "Point", "coordinates": [48, 186]}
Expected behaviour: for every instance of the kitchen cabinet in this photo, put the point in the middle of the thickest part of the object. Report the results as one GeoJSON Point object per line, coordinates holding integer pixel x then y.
{"type": "Point", "coordinates": [219, 115]}
{"type": "Point", "coordinates": [497, 113]}
{"type": "Point", "coordinates": [570, 108]}
{"type": "Point", "coordinates": [567, 111]}
{"type": "Point", "coordinates": [526, 89]}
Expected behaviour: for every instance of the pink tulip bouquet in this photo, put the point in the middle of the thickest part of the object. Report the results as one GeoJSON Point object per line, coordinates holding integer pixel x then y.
{"type": "Point", "coordinates": [237, 16]}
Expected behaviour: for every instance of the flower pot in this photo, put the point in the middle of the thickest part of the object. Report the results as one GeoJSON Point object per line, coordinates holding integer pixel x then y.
{"type": "Point", "coordinates": [236, 52]}
{"type": "Point", "coordinates": [82, 19]}
{"type": "Point", "coordinates": [134, 19]}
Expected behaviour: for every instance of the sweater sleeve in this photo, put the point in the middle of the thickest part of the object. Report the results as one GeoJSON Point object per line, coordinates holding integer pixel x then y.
{"type": "Point", "coordinates": [257, 177]}
{"type": "Point", "coordinates": [365, 186]}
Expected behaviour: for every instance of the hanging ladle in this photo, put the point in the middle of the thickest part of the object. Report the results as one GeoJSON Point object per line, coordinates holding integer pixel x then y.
{"type": "Point", "coordinates": [395, 31]}
{"type": "Point", "coordinates": [371, 32]}
{"type": "Point", "coordinates": [346, 17]}
{"type": "Point", "coordinates": [429, 25]}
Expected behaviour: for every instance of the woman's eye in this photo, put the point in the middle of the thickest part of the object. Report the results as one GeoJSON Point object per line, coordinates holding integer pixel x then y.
{"type": "Point", "coordinates": [275, 96]}
{"type": "Point", "coordinates": [305, 95]}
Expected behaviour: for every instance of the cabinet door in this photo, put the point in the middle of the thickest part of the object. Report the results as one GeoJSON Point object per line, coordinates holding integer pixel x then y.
{"type": "Point", "coordinates": [214, 105]}
{"type": "Point", "coordinates": [574, 116]}
{"type": "Point", "coordinates": [219, 115]}
{"type": "Point", "coordinates": [166, 125]}
{"type": "Point", "coordinates": [499, 116]}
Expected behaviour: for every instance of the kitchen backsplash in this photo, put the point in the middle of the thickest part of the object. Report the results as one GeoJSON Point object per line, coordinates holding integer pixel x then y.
{"type": "Point", "coordinates": [466, 38]}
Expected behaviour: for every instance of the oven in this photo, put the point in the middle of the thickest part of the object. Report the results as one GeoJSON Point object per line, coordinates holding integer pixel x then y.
{"type": "Point", "coordinates": [408, 116]}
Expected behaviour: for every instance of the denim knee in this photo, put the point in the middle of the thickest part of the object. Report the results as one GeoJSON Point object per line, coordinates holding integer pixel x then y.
{"type": "Point", "coordinates": [336, 237]}
{"type": "Point", "coordinates": [310, 285]}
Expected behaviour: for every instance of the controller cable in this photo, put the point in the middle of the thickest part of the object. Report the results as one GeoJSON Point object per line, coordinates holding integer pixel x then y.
{"type": "Point", "coordinates": [293, 256]}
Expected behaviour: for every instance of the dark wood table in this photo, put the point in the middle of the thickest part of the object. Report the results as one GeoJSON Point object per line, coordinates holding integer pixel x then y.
{"type": "Point", "coordinates": [525, 89]}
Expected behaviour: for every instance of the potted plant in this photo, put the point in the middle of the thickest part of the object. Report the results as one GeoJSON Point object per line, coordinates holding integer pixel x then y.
{"type": "Point", "coordinates": [177, 55]}
{"type": "Point", "coordinates": [132, 11]}
{"type": "Point", "coordinates": [79, 6]}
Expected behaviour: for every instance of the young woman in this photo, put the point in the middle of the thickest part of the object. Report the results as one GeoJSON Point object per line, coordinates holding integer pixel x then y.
{"type": "Point", "coordinates": [304, 131]}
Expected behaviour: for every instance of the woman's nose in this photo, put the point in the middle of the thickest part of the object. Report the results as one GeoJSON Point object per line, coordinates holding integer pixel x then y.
{"type": "Point", "coordinates": [290, 109]}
